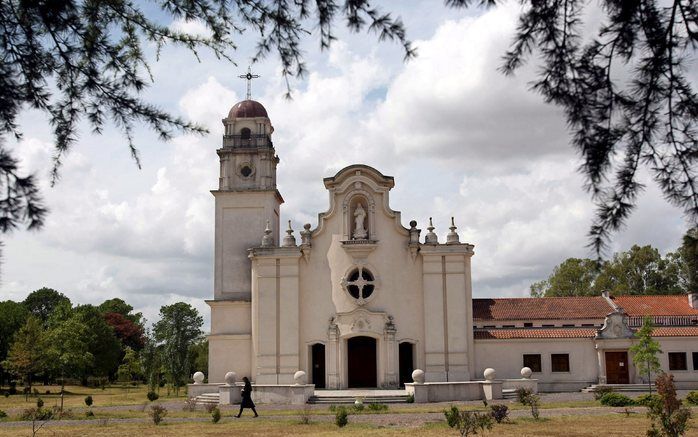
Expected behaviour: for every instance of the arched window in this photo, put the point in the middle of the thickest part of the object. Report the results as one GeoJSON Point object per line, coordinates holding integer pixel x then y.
{"type": "Point", "coordinates": [245, 133]}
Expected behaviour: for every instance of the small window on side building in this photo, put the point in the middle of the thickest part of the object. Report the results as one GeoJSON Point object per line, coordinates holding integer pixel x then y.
{"type": "Point", "coordinates": [677, 361]}
{"type": "Point", "coordinates": [532, 361]}
{"type": "Point", "coordinates": [528, 324]}
{"type": "Point", "coordinates": [695, 360]}
{"type": "Point", "coordinates": [560, 362]}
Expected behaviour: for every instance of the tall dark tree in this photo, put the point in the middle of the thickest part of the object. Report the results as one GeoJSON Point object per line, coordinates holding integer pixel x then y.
{"type": "Point", "coordinates": [25, 355]}
{"type": "Point", "coordinates": [119, 306]}
{"type": "Point", "coordinates": [625, 91]}
{"type": "Point", "coordinates": [573, 277]}
{"type": "Point", "coordinates": [44, 301]}
{"type": "Point", "coordinates": [178, 329]}
{"type": "Point", "coordinates": [12, 316]}
{"type": "Point", "coordinates": [689, 257]}
{"type": "Point", "coordinates": [101, 342]}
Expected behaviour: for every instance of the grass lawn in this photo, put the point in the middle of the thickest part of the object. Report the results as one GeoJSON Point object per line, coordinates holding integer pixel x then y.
{"type": "Point", "coordinates": [569, 426]}
{"type": "Point", "coordinates": [75, 396]}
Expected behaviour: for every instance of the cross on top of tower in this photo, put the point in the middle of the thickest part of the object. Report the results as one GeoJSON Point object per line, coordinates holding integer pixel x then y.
{"type": "Point", "coordinates": [249, 76]}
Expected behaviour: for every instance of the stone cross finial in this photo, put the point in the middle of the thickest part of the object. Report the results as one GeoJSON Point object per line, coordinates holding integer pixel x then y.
{"type": "Point", "coordinates": [289, 239]}
{"type": "Point", "coordinates": [452, 237]}
{"type": "Point", "coordinates": [249, 76]}
{"type": "Point", "coordinates": [431, 237]}
{"type": "Point", "coordinates": [267, 239]}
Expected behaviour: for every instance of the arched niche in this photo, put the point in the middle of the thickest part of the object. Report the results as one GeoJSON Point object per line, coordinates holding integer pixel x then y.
{"type": "Point", "coordinates": [350, 206]}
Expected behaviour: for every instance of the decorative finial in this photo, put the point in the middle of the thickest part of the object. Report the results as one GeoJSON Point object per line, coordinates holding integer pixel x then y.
{"type": "Point", "coordinates": [249, 76]}
{"type": "Point", "coordinates": [267, 239]}
{"type": "Point", "coordinates": [305, 234]}
{"type": "Point", "coordinates": [289, 239]}
{"type": "Point", "coordinates": [452, 237]}
{"type": "Point", "coordinates": [431, 237]}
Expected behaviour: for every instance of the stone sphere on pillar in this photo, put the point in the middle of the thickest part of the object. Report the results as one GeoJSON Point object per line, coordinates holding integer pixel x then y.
{"type": "Point", "coordinates": [526, 372]}
{"type": "Point", "coordinates": [490, 374]}
{"type": "Point", "coordinates": [299, 377]}
{"type": "Point", "coordinates": [418, 376]}
{"type": "Point", "coordinates": [199, 377]}
{"type": "Point", "coordinates": [231, 378]}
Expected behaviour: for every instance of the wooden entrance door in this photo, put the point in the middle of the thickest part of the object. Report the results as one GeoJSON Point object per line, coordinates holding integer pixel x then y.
{"type": "Point", "coordinates": [617, 368]}
{"type": "Point", "coordinates": [361, 360]}
{"type": "Point", "coordinates": [318, 363]}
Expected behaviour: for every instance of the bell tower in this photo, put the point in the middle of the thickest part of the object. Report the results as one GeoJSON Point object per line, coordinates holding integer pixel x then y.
{"type": "Point", "coordinates": [246, 197]}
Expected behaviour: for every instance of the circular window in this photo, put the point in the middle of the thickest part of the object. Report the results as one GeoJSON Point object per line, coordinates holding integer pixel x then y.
{"type": "Point", "coordinates": [246, 171]}
{"type": "Point", "coordinates": [360, 283]}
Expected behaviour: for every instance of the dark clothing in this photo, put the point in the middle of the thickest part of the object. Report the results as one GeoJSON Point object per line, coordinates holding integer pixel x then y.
{"type": "Point", "coordinates": [247, 397]}
{"type": "Point", "coordinates": [246, 401]}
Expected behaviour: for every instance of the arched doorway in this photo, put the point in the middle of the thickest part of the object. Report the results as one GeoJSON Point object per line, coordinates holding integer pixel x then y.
{"type": "Point", "coordinates": [361, 362]}
{"type": "Point", "coordinates": [317, 353]}
{"type": "Point", "coordinates": [406, 358]}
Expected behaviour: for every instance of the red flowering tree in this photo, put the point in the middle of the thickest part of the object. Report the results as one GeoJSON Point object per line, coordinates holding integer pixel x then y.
{"type": "Point", "coordinates": [129, 332]}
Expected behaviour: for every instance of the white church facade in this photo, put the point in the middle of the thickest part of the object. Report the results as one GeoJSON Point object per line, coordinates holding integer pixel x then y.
{"type": "Point", "coordinates": [360, 300]}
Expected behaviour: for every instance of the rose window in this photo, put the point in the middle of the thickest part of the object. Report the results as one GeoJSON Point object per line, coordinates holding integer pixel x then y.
{"type": "Point", "coordinates": [360, 284]}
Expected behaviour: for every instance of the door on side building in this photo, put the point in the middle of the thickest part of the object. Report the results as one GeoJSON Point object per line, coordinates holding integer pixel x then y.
{"type": "Point", "coordinates": [361, 362]}
{"type": "Point", "coordinates": [617, 368]}
{"type": "Point", "coordinates": [406, 358]}
{"type": "Point", "coordinates": [317, 353]}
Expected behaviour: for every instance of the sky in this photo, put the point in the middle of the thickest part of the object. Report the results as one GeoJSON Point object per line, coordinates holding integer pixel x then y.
{"type": "Point", "coordinates": [461, 140]}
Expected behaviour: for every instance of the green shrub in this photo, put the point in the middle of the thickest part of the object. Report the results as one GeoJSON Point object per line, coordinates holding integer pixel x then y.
{"type": "Point", "coordinates": [48, 392]}
{"type": "Point", "coordinates": [647, 400]}
{"type": "Point", "coordinates": [36, 414]}
{"type": "Point", "coordinates": [152, 396]}
{"type": "Point", "coordinates": [600, 391]}
{"type": "Point", "coordinates": [377, 407]}
{"type": "Point", "coordinates": [410, 398]}
{"type": "Point", "coordinates": [88, 400]}
{"type": "Point", "coordinates": [3, 414]}
{"type": "Point", "coordinates": [669, 417]}
{"type": "Point", "coordinates": [333, 408]}
{"type": "Point", "coordinates": [39, 403]}
{"type": "Point", "coordinates": [522, 393]}
{"type": "Point", "coordinates": [216, 415]}
{"type": "Point", "coordinates": [358, 407]}
{"type": "Point", "coordinates": [452, 416]}
{"type": "Point", "coordinates": [616, 400]}
{"type": "Point", "coordinates": [157, 413]}
{"type": "Point", "coordinates": [341, 418]}
{"type": "Point", "coordinates": [499, 412]}
{"type": "Point", "coordinates": [89, 413]}
{"type": "Point", "coordinates": [6, 394]}
{"type": "Point", "coordinates": [692, 398]}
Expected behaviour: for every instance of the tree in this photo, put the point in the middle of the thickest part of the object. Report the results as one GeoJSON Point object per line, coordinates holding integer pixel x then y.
{"type": "Point", "coordinates": [199, 356]}
{"type": "Point", "coordinates": [178, 329]}
{"type": "Point", "coordinates": [66, 350]}
{"type": "Point", "coordinates": [101, 341]}
{"type": "Point", "coordinates": [25, 357]}
{"type": "Point", "coordinates": [573, 277]}
{"type": "Point", "coordinates": [43, 301]}
{"type": "Point", "coordinates": [689, 256]}
{"type": "Point", "coordinates": [130, 368]}
{"type": "Point", "coordinates": [12, 317]}
{"type": "Point", "coordinates": [645, 352]}
{"type": "Point", "coordinates": [119, 306]}
{"type": "Point", "coordinates": [641, 270]}
{"type": "Point", "coordinates": [128, 332]}
{"type": "Point", "coordinates": [625, 92]}
{"type": "Point", "coordinates": [151, 362]}
{"type": "Point", "coordinates": [669, 417]}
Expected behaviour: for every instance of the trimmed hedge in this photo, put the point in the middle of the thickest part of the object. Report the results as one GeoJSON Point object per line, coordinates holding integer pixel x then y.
{"type": "Point", "coordinates": [616, 400]}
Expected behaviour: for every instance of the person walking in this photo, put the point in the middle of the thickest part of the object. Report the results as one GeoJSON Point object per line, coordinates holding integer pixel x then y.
{"type": "Point", "coordinates": [246, 401]}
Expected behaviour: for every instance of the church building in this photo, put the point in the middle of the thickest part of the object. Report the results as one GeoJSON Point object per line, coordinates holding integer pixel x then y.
{"type": "Point", "coordinates": [360, 300]}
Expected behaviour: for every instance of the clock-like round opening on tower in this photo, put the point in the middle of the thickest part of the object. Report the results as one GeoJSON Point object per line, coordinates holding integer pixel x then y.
{"type": "Point", "coordinates": [246, 171]}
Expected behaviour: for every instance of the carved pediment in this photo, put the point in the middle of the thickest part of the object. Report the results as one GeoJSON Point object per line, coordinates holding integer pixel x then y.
{"type": "Point", "coordinates": [361, 321]}
{"type": "Point", "coordinates": [615, 326]}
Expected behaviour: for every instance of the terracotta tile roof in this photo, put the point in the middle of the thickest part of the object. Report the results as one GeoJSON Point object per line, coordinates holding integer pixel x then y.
{"type": "Point", "coordinates": [537, 308]}
{"type": "Point", "coordinates": [673, 305]}
{"type": "Point", "coordinates": [674, 331]}
{"type": "Point", "coordinates": [505, 334]}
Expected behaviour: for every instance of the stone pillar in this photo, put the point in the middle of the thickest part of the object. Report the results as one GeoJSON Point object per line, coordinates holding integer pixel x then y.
{"type": "Point", "coordinates": [332, 366]}
{"type": "Point", "coordinates": [602, 364]}
{"type": "Point", "coordinates": [391, 361]}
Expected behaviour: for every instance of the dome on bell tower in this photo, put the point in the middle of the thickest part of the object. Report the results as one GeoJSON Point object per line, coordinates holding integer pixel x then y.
{"type": "Point", "coordinates": [248, 109]}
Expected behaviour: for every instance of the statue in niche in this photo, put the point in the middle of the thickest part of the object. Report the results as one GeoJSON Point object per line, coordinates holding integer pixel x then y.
{"type": "Point", "coordinates": [360, 232]}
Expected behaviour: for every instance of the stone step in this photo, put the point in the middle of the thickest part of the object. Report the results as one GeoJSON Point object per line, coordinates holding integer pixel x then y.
{"type": "Point", "coordinates": [616, 387]}
{"type": "Point", "coordinates": [509, 393]}
{"type": "Point", "coordinates": [208, 398]}
{"type": "Point", "coordinates": [351, 399]}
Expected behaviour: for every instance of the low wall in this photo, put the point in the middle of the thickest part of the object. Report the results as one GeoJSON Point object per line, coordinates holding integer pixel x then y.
{"type": "Point", "coordinates": [194, 390]}
{"type": "Point", "coordinates": [295, 394]}
{"type": "Point", "coordinates": [562, 386]}
{"type": "Point", "coordinates": [454, 391]}
{"type": "Point", "coordinates": [513, 384]}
